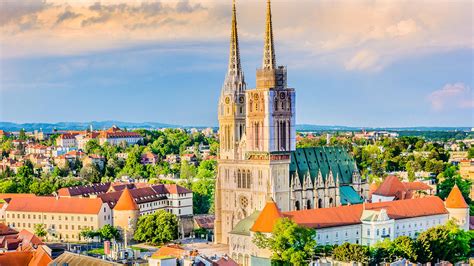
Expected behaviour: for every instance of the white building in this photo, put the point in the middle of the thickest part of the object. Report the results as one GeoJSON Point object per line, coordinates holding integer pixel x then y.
{"type": "Point", "coordinates": [67, 140]}
{"type": "Point", "coordinates": [116, 136]}
{"type": "Point", "coordinates": [364, 224]}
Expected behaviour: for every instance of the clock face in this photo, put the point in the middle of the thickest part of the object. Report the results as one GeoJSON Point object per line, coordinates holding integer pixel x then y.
{"type": "Point", "coordinates": [227, 100]}
{"type": "Point", "coordinates": [282, 95]}
{"type": "Point", "coordinates": [241, 99]}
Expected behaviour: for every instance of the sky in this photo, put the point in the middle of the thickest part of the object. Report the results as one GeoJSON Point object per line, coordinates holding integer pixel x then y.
{"type": "Point", "coordinates": [355, 63]}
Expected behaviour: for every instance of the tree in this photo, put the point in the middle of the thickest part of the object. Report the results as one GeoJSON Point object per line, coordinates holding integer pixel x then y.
{"type": "Point", "coordinates": [187, 170]}
{"type": "Point", "coordinates": [108, 232]}
{"type": "Point", "coordinates": [404, 247]}
{"type": "Point", "coordinates": [444, 242]}
{"type": "Point", "coordinates": [289, 242]}
{"type": "Point", "coordinates": [470, 153]}
{"type": "Point", "coordinates": [90, 172]}
{"type": "Point", "coordinates": [157, 228]}
{"type": "Point", "coordinates": [88, 234]}
{"type": "Point", "coordinates": [40, 230]}
{"type": "Point", "coordinates": [351, 253]}
{"type": "Point", "coordinates": [22, 135]}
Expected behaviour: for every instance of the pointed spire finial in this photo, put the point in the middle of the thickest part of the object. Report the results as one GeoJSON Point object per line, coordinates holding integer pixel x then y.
{"type": "Point", "coordinates": [234, 53]}
{"type": "Point", "coordinates": [234, 80]}
{"type": "Point", "coordinates": [269, 49]}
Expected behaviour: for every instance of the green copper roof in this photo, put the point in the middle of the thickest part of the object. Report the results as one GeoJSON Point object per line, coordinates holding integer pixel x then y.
{"type": "Point", "coordinates": [243, 227]}
{"type": "Point", "coordinates": [323, 159]}
{"type": "Point", "coordinates": [349, 195]}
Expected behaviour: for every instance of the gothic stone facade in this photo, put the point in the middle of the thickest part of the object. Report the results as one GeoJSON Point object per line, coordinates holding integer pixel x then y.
{"type": "Point", "coordinates": [258, 159]}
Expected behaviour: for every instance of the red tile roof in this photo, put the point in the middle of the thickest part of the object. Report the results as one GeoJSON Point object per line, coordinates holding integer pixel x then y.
{"type": "Point", "coordinates": [267, 218]}
{"type": "Point", "coordinates": [40, 257]}
{"type": "Point", "coordinates": [29, 238]}
{"type": "Point", "coordinates": [170, 251]}
{"type": "Point", "coordinates": [347, 215]}
{"type": "Point", "coordinates": [416, 186]}
{"type": "Point", "coordinates": [5, 230]}
{"type": "Point", "coordinates": [16, 258]}
{"type": "Point", "coordinates": [56, 205]}
{"type": "Point", "coordinates": [391, 186]}
{"type": "Point", "coordinates": [176, 189]}
{"type": "Point", "coordinates": [226, 261]}
{"type": "Point", "coordinates": [126, 202]}
{"type": "Point", "coordinates": [455, 199]}
{"type": "Point", "coordinates": [5, 196]}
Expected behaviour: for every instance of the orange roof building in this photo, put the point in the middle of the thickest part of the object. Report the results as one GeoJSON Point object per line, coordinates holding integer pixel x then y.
{"type": "Point", "coordinates": [394, 189]}
{"type": "Point", "coordinates": [64, 217]}
{"type": "Point", "coordinates": [365, 224]}
{"type": "Point", "coordinates": [267, 218]}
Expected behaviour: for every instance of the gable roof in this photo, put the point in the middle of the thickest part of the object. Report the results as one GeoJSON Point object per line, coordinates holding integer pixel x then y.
{"type": "Point", "coordinates": [126, 202]}
{"type": "Point", "coordinates": [15, 258]}
{"type": "Point", "coordinates": [6, 230]}
{"type": "Point", "coordinates": [40, 257]}
{"type": "Point", "coordinates": [56, 205]}
{"type": "Point", "coordinates": [455, 199]}
{"type": "Point", "coordinates": [267, 219]}
{"type": "Point", "coordinates": [391, 186]}
{"type": "Point", "coordinates": [170, 251]}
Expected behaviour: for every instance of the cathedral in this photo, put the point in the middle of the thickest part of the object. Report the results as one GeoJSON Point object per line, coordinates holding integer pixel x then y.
{"type": "Point", "coordinates": [258, 159]}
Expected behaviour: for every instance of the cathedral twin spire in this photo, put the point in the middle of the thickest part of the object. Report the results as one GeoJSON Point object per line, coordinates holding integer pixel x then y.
{"type": "Point", "coordinates": [235, 78]}
{"type": "Point", "coordinates": [269, 48]}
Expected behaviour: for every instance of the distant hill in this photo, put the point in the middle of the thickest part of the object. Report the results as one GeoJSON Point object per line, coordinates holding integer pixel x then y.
{"type": "Point", "coordinates": [49, 127]}
{"type": "Point", "coordinates": [306, 127]}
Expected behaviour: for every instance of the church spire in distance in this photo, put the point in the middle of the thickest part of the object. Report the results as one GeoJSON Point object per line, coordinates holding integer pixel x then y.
{"type": "Point", "coordinates": [269, 49]}
{"type": "Point", "coordinates": [234, 78]}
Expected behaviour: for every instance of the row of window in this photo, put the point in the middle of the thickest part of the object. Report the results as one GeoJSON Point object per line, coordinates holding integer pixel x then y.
{"type": "Point", "coordinates": [59, 217]}
{"type": "Point", "coordinates": [53, 226]}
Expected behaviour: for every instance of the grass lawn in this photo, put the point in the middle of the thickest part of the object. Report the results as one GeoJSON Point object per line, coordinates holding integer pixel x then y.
{"type": "Point", "coordinates": [140, 249]}
{"type": "Point", "coordinates": [97, 251]}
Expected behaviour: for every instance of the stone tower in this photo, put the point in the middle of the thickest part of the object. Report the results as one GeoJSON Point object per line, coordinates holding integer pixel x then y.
{"type": "Point", "coordinates": [257, 134]}
{"type": "Point", "coordinates": [458, 208]}
{"type": "Point", "coordinates": [126, 213]}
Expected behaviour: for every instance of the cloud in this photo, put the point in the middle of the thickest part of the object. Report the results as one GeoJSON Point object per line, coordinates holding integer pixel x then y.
{"type": "Point", "coordinates": [354, 35]}
{"type": "Point", "coordinates": [363, 60]}
{"type": "Point", "coordinates": [66, 15]}
{"type": "Point", "coordinates": [456, 95]}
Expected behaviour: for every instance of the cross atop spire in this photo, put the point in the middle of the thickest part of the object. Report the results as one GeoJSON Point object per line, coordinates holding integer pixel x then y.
{"type": "Point", "coordinates": [234, 78]}
{"type": "Point", "coordinates": [269, 49]}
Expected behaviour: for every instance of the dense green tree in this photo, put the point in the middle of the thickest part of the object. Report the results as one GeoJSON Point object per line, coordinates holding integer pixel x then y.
{"type": "Point", "coordinates": [157, 228]}
{"type": "Point", "coordinates": [93, 147]}
{"type": "Point", "coordinates": [352, 253]}
{"type": "Point", "coordinates": [108, 232]}
{"type": "Point", "coordinates": [443, 242]}
{"type": "Point", "coordinates": [91, 173]}
{"type": "Point", "coordinates": [404, 247]}
{"type": "Point", "coordinates": [187, 171]}
{"type": "Point", "coordinates": [470, 153]}
{"type": "Point", "coordinates": [289, 242]}
{"type": "Point", "coordinates": [40, 230]}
